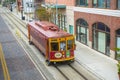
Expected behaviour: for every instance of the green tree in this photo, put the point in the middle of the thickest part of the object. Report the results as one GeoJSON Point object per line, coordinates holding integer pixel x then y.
{"type": "Point", "coordinates": [118, 53]}
{"type": "Point", "coordinates": [42, 14]}
{"type": "Point", "coordinates": [7, 2]}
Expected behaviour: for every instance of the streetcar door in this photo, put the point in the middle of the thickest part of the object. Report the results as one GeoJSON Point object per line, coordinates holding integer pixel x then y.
{"type": "Point", "coordinates": [70, 43]}
{"type": "Point", "coordinates": [70, 47]}
{"type": "Point", "coordinates": [53, 48]}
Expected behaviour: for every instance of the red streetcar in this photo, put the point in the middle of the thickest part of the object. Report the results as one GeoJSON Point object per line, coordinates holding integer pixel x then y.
{"type": "Point", "coordinates": [57, 45]}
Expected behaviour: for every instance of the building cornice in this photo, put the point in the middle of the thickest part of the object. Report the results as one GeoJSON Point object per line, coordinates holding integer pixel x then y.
{"type": "Point", "coordinates": [107, 12]}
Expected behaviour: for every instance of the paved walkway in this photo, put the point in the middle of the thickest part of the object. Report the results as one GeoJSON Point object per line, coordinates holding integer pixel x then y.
{"type": "Point", "coordinates": [99, 64]}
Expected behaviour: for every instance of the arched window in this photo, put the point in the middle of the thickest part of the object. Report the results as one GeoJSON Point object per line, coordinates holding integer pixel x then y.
{"type": "Point", "coordinates": [118, 44]}
{"type": "Point", "coordinates": [82, 31]}
{"type": "Point", "coordinates": [101, 38]}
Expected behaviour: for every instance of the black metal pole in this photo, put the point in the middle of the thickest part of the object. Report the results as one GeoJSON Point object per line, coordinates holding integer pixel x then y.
{"type": "Point", "coordinates": [11, 6]}
{"type": "Point", "coordinates": [22, 11]}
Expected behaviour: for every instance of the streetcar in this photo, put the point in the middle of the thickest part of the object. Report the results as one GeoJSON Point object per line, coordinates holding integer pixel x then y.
{"type": "Point", "coordinates": [56, 44]}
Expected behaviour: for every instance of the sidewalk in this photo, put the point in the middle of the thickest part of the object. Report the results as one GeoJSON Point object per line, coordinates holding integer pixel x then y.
{"type": "Point", "coordinates": [97, 63]}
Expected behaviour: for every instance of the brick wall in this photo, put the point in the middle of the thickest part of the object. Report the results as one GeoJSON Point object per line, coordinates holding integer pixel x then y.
{"type": "Point", "coordinates": [19, 5]}
{"type": "Point", "coordinates": [112, 22]}
{"type": "Point", "coordinates": [113, 4]}
{"type": "Point", "coordinates": [65, 2]}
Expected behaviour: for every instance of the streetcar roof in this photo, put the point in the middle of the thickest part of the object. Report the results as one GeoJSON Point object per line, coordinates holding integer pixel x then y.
{"type": "Point", "coordinates": [45, 28]}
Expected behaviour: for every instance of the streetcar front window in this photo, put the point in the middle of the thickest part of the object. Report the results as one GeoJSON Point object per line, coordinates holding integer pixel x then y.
{"type": "Point", "coordinates": [54, 46]}
{"type": "Point", "coordinates": [62, 45]}
{"type": "Point", "coordinates": [69, 44]}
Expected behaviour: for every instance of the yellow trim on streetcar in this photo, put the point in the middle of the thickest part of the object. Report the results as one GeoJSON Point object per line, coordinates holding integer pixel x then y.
{"type": "Point", "coordinates": [60, 60]}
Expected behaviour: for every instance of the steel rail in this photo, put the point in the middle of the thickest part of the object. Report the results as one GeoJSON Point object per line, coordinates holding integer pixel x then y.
{"type": "Point", "coordinates": [61, 72]}
{"type": "Point", "coordinates": [16, 24]}
{"type": "Point", "coordinates": [78, 72]}
{"type": "Point", "coordinates": [19, 20]}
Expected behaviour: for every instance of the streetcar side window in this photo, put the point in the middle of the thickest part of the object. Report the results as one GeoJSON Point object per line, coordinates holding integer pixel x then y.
{"type": "Point", "coordinates": [54, 46]}
{"type": "Point", "coordinates": [69, 44]}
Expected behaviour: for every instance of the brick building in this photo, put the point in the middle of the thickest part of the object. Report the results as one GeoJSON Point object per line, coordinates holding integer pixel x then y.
{"type": "Point", "coordinates": [19, 5]}
{"type": "Point", "coordinates": [95, 23]}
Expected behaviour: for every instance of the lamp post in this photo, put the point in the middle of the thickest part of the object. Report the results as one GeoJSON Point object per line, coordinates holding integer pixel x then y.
{"type": "Point", "coordinates": [11, 6]}
{"type": "Point", "coordinates": [22, 17]}
{"type": "Point", "coordinates": [56, 12]}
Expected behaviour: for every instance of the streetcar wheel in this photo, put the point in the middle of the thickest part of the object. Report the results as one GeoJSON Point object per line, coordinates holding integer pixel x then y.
{"type": "Point", "coordinates": [48, 62]}
{"type": "Point", "coordinates": [72, 60]}
{"type": "Point", "coordinates": [54, 63]}
{"type": "Point", "coordinates": [30, 42]}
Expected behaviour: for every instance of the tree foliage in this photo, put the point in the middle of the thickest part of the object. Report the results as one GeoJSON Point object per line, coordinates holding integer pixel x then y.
{"type": "Point", "coordinates": [7, 2]}
{"type": "Point", "coordinates": [42, 14]}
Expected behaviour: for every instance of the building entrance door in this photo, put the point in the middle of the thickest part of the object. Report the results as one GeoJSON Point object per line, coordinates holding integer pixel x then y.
{"type": "Point", "coordinates": [83, 36]}
{"type": "Point", "coordinates": [101, 42]}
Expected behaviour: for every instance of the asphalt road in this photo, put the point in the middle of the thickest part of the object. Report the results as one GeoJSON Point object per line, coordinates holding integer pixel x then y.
{"type": "Point", "coordinates": [19, 65]}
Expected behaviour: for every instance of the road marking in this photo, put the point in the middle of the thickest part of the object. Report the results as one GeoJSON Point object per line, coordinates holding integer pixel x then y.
{"type": "Point", "coordinates": [4, 66]}
{"type": "Point", "coordinates": [18, 33]}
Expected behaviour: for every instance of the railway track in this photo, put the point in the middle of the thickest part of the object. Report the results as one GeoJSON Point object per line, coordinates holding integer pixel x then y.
{"type": "Point", "coordinates": [19, 20]}
{"type": "Point", "coordinates": [69, 72]}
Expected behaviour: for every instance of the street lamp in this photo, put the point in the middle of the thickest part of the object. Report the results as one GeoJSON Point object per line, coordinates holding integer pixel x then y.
{"type": "Point", "coordinates": [22, 17]}
{"type": "Point", "coordinates": [56, 12]}
{"type": "Point", "coordinates": [11, 6]}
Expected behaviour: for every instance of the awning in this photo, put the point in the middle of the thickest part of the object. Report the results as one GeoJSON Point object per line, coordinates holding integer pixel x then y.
{"type": "Point", "coordinates": [58, 6]}
{"type": "Point", "coordinates": [54, 6]}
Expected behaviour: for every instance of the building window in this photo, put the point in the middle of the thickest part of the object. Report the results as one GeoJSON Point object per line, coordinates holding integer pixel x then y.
{"type": "Point", "coordinates": [118, 44]}
{"type": "Point", "coordinates": [81, 2]}
{"type": "Point", "coordinates": [118, 4]}
{"type": "Point", "coordinates": [61, 20]}
{"type": "Point", "coordinates": [101, 38]}
{"type": "Point", "coordinates": [101, 3]}
{"type": "Point", "coordinates": [71, 29]}
{"type": "Point", "coordinates": [82, 31]}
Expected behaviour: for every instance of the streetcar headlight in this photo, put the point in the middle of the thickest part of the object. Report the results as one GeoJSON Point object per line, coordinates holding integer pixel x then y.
{"type": "Point", "coordinates": [58, 55]}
